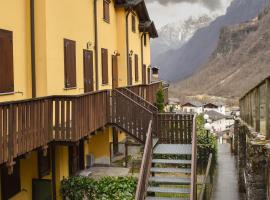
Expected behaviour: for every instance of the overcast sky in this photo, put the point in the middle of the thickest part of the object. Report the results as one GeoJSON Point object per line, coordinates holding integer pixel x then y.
{"type": "Point", "coordinates": [163, 12]}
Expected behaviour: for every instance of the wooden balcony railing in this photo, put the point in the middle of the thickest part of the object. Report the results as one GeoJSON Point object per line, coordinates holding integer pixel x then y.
{"type": "Point", "coordinates": [145, 166]}
{"type": "Point", "coordinates": [130, 115]}
{"type": "Point", "coordinates": [174, 128]}
{"type": "Point", "coordinates": [28, 124]}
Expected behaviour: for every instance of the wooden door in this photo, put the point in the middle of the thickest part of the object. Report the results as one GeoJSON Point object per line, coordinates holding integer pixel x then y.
{"type": "Point", "coordinates": [42, 189]}
{"type": "Point", "coordinates": [130, 71]}
{"type": "Point", "coordinates": [144, 74]}
{"type": "Point", "coordinates": [115, 142]}
{"type": "Point", "coordinates": [114, 72]}
{"type": "Point", "coordinates": [81, 155]}
{"type": "Point", "coordinates": [88, 71]}
{"type": "Point", "coordinates": [73, 160]}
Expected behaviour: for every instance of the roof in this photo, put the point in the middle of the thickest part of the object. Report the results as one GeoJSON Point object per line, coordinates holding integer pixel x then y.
{"type": "Point", "coordinates": [214, 115]}
{"type": "Point", "coordinates": [146, 25]}
{"type": "Point", "coordinates": [193, 103]}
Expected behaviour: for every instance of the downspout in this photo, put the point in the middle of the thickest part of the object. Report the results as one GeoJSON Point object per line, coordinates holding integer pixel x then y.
{"type": "Point", "coordinates": [33, 48]}
{"type": "Point", "coordinates": [127, 44]}
{"type": "Point", "coordinates": [96, 42]}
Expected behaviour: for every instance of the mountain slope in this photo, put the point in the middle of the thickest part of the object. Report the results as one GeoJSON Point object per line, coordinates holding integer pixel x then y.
{"type": "Point", "coordinates": [183, 62]}
{"type": "Point", "coordinates": [240, 61]}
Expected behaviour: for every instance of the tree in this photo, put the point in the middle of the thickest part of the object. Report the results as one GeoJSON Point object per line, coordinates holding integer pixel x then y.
{"type": "Point", "coordinates": [160, 100]}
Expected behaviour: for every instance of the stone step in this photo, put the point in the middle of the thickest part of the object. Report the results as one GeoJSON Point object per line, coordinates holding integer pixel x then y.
{"type": "Point", "coordinates": [169, 190]}
{"type": "Point", "coordinates": [170, 180]}
{"type": "Point", "coordinates": [170, 170]}
{"type": "Point", "coordinates": [173, 149]}
{"type": "Point", "coordinates": [170, 161]}
{"type": "Point", "coordinates": [165, 198]}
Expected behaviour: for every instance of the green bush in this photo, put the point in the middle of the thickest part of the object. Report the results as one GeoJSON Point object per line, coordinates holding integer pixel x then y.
{"type": "Point", "coordinates": [207, 143]}
{"type": "Point", "coordinates": [107, 188]}
{"type": "Point", "coordinates": [160, 100]}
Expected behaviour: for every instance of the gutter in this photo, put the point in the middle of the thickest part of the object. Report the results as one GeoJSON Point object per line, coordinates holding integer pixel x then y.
{"type": "Point", "coordinates": [33, 48]}
{"type": "Point", "coordinates": [127, 43]}
{"type": "Point", "coordinates": [96, 42]}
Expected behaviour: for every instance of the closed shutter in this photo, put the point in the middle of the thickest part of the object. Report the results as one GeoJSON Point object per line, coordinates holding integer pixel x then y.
{"type": "Point", "coordinates": [104, 56]}
{"type": "Point", "coordinates": [149, 75]}
{"type": "Point", "coordinates": [6, 62]}
{"type": "Point", "coordinates": [133, 23]}
{"type": "Point", "coordinates": [136, 68]}
{"type": "Point", "coordinates": [11, 184]}
{"type": "Point", "coordinates": [106, 10]}
{"type": "Point", "coordinates": [70, 63]}
{"type": "Point", "coordinates": [144, 74]}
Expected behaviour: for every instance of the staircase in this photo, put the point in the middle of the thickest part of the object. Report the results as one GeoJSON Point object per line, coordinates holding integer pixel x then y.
{"type": "Point", "coordinates": [170, 173]}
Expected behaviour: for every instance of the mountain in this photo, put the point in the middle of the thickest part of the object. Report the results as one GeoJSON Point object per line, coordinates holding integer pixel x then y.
{"type": "Point", "coordinates": [177, 64]}
{"type": "Point", "coordinates": [240, 61]}
{"type": "Point", "coordinates": [174, 35]}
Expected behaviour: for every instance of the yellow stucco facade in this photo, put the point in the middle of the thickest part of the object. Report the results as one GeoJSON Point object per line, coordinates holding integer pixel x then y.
{"type": "Point", "coordinates": [54, 21]}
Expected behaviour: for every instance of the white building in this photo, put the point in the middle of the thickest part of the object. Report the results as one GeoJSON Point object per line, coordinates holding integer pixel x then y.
{"type": "Point", "coordinates": [173, 105]}
{"type": "Point", "coordinates": [220, 108]}
{"type": "Point", "coordinates": [219, 122]}
{"type": "Point", "coordinates": [192, 107]}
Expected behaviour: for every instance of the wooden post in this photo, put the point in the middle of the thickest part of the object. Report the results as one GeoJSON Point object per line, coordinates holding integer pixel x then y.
{"type": "Point", "coordinates": [53, 171]}
{"type": "Point", "coordinates": [267, 109]}
{"type": "Point", "coordinates": [257, 109]}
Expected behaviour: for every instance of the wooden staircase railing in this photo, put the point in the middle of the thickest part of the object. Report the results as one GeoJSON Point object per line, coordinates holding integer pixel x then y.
{"type": "Point", "coordinates": [193, 195]}
{"type": "Point", "coordinates": [145, 166]}
{"type": "Point", "coordinates": [130, 116]}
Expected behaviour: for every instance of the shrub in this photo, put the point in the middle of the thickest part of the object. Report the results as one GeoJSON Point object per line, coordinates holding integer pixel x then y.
{"type": "Point", "coordinates": [107, 188]}
{"type": "Point", "coordinates": [160, 100]}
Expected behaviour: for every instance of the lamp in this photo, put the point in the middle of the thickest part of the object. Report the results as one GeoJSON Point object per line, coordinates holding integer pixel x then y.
{"type": "Point", "coordinates": [206, 117]}
{"type": "Point", "coordinates": [131, 53]}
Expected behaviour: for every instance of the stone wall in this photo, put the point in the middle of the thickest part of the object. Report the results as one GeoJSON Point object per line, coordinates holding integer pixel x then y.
{"type": "Point", "coordinates": [252, 161]}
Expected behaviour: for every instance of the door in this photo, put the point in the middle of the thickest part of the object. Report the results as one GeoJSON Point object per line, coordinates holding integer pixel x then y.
{"type": "Point", "coordinates": [115, 141]}
{"type": "Point", "coordinates": [130, 70]}
{"type": "Point", "coordinates": [81, 155]}
{"type": "Point", "coordinates": [74, 164]}
{"type": "Point", "coordinates": [144, 74]}
{"type": "Point", "coordinates": [114, 72]}
{"type": "Point", "coordinates": [88, 71]}
{"type": "Point", "coordinates": [42, 189]}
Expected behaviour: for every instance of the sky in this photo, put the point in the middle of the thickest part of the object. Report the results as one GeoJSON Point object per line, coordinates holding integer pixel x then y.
{"type": "Point", "coordinates": [163, 12]}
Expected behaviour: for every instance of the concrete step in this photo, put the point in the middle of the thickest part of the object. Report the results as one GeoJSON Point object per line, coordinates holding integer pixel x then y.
{"type": "Point", "coordinates": [170, 180]}
{"type": "Point", "coordinates": [170, 161]}
{"type": "Point", "coordinates": [169, 190]}
{"type": "Point", "coordinates": [170, 170]}
{"type": "Point", "coordinates": [165, 198]}
{"type": "Point", "coordinates": [173, 149]}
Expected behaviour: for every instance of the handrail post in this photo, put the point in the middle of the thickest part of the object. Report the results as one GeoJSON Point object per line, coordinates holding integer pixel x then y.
{"type": "Point", "coordinates": [193, 195]}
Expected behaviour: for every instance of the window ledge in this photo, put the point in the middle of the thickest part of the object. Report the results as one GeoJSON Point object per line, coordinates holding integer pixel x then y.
{"type": "Point", "coordinates": [70, 88]}
{"type": "Point", "coordinates": [7, 93]}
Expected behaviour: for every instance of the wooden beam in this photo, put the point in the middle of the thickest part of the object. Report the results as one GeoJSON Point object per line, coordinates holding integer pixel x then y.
{"type": "Point", "coordinates": [257, 109]}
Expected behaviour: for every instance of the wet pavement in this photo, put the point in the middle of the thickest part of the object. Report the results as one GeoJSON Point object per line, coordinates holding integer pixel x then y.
{"type": "Point", "coordinates": [226, 183]}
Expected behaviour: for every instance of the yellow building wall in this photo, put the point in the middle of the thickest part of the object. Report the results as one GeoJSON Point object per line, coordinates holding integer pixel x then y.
{"type": "Point", "coordinates": [15, 17]}
{"type": "Point", "coordinates": [61, 166]}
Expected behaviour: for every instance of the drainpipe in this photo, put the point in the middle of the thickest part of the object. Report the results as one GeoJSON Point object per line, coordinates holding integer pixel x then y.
{"type": "Point", "coordinates": [33, 49]}
{"type": "Point", "coordinates": [142, 57]}
{"type": "Point", "coordinates": [127, 43]}
{"type": "Point", "coordinates": [96, 42]}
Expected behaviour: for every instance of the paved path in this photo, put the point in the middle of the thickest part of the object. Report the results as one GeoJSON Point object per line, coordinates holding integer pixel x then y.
{"type": "Point", "coordinates": [226, 184]}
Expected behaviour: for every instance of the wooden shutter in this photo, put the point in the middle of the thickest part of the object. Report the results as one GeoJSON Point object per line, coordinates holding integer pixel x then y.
{"type": "Point", "coordinates": [70, 63]}
{"type": "Point", "coordinates": [144, 74]}
{"type": "Point", "coordinates": [106, 10]}
{"type": "Point", "coordinates": [44, 163]}
{"type": "Point", "coordinates": [133, 23]}
{"type": "Point", "coordinates": [130, 71]}
{"type": "Point", "coordinates": [104, 57]}
{"type": "Point", "coordinates": [149, 75]}
{"type": "Point", "coordinates": [11, 184]}
{"type": "Point", "coordinates": [145, 39]}
{"type": "Point", "coordinates": [136, 68]}
{"type": "Point", "coordinates": [6, 62]}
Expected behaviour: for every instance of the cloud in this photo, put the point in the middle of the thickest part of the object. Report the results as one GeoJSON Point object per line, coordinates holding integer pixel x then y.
{"type": "Point", "coordinates": [210, 4]}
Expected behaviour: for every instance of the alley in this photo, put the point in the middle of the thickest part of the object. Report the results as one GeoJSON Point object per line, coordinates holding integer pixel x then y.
{"type": "Point", "coordinates": [225, 184]}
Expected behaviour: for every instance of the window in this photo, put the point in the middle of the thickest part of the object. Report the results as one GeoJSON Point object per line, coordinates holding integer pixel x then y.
{"type": "Point", "coordinates": [11, 184]}
{"type": "Point", "coordinates": [133, 23]}
{"type": "Point", "coordinates": [43, 163]}
{"type": "Point", "coordinates": [106, 10]}
{"type": "Point", "coordinates": [70, 63]}
{"type": "Point", "coordinates": [104, 60]}
{"type": "Point", "coordinates": [136, 68]}
{"type": "Point", "coordinates": [6, 61]}
{"type": "Point", "coordinates": [145, 40]}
